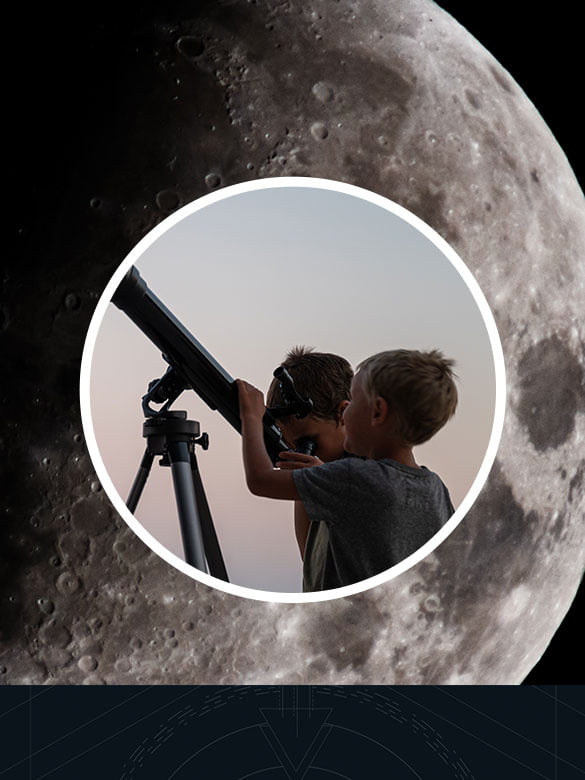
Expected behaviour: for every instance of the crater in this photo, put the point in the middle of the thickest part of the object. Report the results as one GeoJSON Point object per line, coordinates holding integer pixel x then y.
{"type": "Point", "coordinates": [501, 80]}
{"type": "Point", "coordinates": [473, 99]}
{"type": "Point", "coordinates": [190, 46]}
{"type": "Point", "coordinates": [577, 481]}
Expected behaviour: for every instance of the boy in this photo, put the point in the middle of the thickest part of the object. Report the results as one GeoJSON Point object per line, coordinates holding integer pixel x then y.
{"type": "Point", "coordinates": [326, 379]}
{"type": "Point", "coordinates": [374, 510]}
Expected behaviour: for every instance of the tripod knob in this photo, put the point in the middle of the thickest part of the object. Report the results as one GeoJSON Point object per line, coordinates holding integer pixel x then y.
{"type": "Point", "coordinates": [203, 441]}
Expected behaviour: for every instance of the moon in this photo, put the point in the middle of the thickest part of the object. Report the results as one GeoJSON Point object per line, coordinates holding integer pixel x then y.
{"type": "Point", "coordinates": [393, 96]}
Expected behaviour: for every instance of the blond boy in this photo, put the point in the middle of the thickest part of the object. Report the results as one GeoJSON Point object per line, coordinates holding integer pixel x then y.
{"type": "Point", "coordinates": [375, 510]}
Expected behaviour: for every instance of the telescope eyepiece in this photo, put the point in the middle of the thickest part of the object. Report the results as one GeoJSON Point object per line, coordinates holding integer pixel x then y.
{"type": "Point", "coordinates": [306, 446]}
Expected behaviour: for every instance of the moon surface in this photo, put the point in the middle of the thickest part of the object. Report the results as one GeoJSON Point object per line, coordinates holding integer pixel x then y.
{"type": "Point", "coordinates": [390, 95]}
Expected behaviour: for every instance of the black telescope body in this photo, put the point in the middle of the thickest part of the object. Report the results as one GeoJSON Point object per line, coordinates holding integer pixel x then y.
{"type": "Point", "coordinates": [197, 369]}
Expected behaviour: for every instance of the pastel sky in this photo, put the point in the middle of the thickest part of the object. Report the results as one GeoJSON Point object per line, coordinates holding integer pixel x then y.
{"type": "Point", "coordinates": [250, 276]}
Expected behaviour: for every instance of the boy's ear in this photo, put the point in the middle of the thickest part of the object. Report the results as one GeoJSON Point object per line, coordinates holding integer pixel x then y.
{"type": "Point", "coordinates": [380, 410]}
{"type": "Point", "coordinates": [340, 410]}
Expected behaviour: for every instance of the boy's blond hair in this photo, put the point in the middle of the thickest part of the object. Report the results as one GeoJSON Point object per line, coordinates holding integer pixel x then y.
{"type": "Point", "coordinates": [419, 386]}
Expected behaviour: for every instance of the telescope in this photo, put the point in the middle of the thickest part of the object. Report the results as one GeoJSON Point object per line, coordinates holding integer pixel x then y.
{"type": "Point", "coordinates": [192, 365]}
{"type": "Point", "coordinates": [168, 432]}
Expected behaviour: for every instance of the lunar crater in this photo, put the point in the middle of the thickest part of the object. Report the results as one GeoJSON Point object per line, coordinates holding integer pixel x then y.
{"type": "Point", "coordinates": [501, 79]}
{"type": "Point", "coordinates": [577, 482]}
{"type": "Point", "coordinates": [473, 99]}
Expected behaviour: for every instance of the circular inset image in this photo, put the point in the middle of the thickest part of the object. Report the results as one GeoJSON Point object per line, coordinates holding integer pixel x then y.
{"type": "Point", "coordinates": [292, 389]}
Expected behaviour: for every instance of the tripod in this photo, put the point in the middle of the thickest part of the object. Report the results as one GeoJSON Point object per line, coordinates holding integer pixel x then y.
{"type": "Point", "coordinates": [171, 435]}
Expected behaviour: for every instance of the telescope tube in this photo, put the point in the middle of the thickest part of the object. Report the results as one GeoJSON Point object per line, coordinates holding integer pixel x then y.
{"type": "Point", "coordinates": [199, 370]}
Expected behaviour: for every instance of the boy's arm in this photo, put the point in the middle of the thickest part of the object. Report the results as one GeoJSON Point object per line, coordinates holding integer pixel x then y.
{"type": "Point", "coordinates": [302, 524]}
{"type": "Point", "coordinates": [294, 461]}
{"type": "Point", "coordinates": [262, 479]}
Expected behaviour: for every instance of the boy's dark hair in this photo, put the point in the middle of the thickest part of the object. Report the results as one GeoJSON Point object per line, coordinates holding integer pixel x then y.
{"type": "Point", "coordinates": [419, 386]}
{"type": "Point", "coordinates": [324, 377]}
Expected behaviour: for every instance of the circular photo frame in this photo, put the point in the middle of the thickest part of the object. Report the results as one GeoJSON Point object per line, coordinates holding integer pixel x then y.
{"type": "Point", "coordinates": [244, 275]}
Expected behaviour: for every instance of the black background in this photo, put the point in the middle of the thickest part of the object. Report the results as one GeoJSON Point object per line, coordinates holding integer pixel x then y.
{"type": "Point", "coordinates": [62, 69]}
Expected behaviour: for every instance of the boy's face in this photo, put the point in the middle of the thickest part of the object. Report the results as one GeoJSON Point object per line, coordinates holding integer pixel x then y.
{"type": "Point", "coordinates": [328, 435]}
{"type": "Point", "coordinates": [357, 418]}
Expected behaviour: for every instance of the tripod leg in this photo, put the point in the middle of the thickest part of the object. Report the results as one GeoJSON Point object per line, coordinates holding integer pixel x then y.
{"type": "Point", "coordinates": [179, 457]}
{"type": "Point", "coordinates": [139, 481]}
{"type": "Point", "coordinates": [212, 548]}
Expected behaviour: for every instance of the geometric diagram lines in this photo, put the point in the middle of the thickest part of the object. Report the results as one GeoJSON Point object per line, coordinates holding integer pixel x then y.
{"type": "Point", "coordinates": [291, 732]}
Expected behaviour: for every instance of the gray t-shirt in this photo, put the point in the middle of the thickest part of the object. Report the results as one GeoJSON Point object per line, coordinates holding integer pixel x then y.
{"type": "Point", "coordinates": [366, 515]}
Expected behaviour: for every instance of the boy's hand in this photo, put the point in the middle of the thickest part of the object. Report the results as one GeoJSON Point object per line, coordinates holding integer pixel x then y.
{"type": "Point", "coordinates": [251, 400]}
{"type": "Point", "coordinates": [296, 460]}
{"type": "Point", "coordinates": [261, 477]}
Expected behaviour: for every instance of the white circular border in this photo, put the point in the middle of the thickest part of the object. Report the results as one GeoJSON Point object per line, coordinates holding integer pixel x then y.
{"type": "Point", "coordinates": [208, 200]}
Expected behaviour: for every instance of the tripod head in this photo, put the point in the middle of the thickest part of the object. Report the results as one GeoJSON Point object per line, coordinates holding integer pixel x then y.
{"type": "Point", "coordinates": [163, 391]}
{"type": "Point", "coordinates": [191, 365]}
